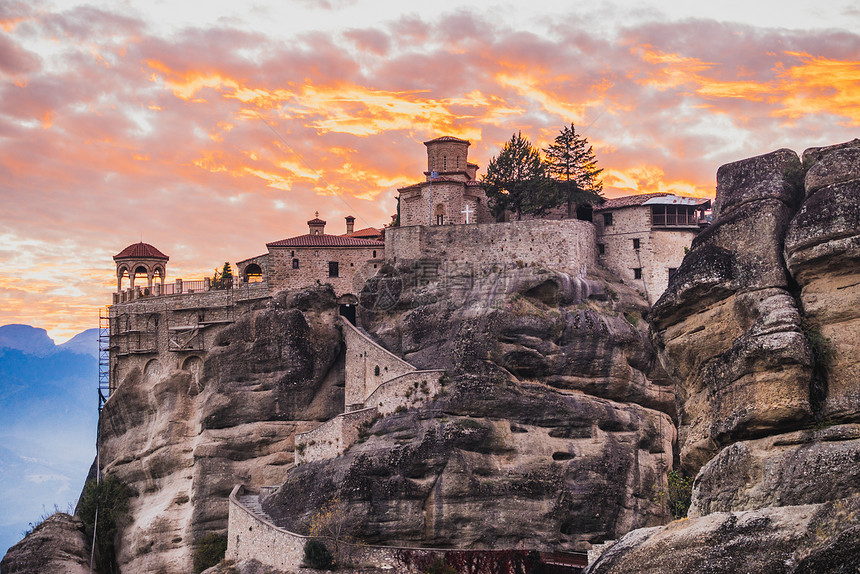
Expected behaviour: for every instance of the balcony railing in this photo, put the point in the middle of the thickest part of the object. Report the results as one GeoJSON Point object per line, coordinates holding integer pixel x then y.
{"type": "Point", "coordinates": [180, 287]}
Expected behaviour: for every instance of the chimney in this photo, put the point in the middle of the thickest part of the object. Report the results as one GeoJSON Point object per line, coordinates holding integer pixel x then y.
{"type": "Point", "coordinates": [316, 226]}
{"type": "Point", "coordinates": [350, 224]}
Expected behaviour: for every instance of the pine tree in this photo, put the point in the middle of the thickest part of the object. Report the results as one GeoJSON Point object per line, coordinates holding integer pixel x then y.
{"type": "Point", "coordinates": [570, 161]}
{"type": "Point", "coordinates": [223, 279]}
{"type": "Point", "coordinates": [517, 180]}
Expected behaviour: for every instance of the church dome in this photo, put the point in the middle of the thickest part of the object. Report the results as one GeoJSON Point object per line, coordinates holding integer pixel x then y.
{"type": "Point", "coordinates": [140, 251]}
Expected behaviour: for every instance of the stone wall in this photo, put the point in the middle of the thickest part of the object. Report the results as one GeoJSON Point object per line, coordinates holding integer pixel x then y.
{"type": "Point", "coordinates": [368, 365]}
{"type": "Point", "coordinates": [251, 537]}
{"type": "Point", "coordinates": [567, 245]}
{"type": "Point", "coordinates": [158, 334]}
{"type": "Point", "coordinates": [354, 266]}
{"type": "Point", "coordinates": [659, 249]}
{"type": "Point", "coordinates": [332, 438]}
{"type": "Point", "coordinates": [410, 391]}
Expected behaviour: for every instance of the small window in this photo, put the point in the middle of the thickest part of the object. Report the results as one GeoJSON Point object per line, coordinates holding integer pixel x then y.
{"type": "Point", "coordinates": [444, 163]}
{"type": "Point", "coordinates": [601, 249]}
{"type": "Point", "coordinates": [295, 263]}
{"type": "Point", "coordinates": [458, 162]}
{"type": "Point", "coordinates": [607, 219]}
{"type": "Point", "coordinates": [374, 253]}
{"type": "Point", "coordinates": [332, 269]}
{"type": "Point", "coordinates": [672, 271]}
{"type": "Point", "coordinates": [637, 273]}
{"type": "Point", "coordinates": [376, 370]}
{"type": "Point", "coordinates": [636, 244]}
{"type": "Point", "coordinates": [292, 253]}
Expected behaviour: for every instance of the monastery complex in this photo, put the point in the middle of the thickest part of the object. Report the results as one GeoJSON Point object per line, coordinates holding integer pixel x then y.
{"type": "Point", "coordinates": [444, 219]}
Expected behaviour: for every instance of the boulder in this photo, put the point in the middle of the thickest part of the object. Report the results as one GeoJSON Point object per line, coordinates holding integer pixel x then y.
{"type": "Point", "coordinates": [57, 545]}
{"type": "Point", "coordinates": [816, 538]}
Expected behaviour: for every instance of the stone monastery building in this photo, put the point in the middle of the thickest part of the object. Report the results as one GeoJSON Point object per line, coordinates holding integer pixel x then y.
{"type": "Point", "coordinates": [444, 218]}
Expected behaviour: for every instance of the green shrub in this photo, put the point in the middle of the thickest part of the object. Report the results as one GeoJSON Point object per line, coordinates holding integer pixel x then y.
{"type": "Point", "coordinates": [210, 551]}
{"type": "Point", "coordinates": [439, 566]}
{"type": "Point", "coordinates": [317, 555]}
{"type": "Point", "coordinates": [680, 493]}
{"type": "Point", "coordinates": [110, 497]}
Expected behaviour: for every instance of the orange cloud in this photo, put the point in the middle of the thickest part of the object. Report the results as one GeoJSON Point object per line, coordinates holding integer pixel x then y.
{"type": "Point", "coordinates": [649, 179]}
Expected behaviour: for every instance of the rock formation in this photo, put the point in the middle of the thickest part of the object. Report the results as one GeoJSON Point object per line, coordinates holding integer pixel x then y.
{"type": "Point", "coordinates": [761, 327]}
{"type": "Point", "coordinates": [553, 432]}
{"type": "Point", "coordinates": [182, 446]}
{"type": "Point", "coordinates": [57, 546]}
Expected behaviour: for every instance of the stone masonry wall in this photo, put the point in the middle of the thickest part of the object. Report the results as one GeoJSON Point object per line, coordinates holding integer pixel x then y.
{"type": "Point", "coordinates": [332, 438]}
{"type": "Point", "coordinates": [251, 537]}
{"type": "Point", "coordinates": [659, 249]}
{"type": "Point", "coordinates": [141, 329]}
{"type": "Point", "coordinates": [368, 365]}
{"type": "Point", "coordinates": [411, 390]}
{"type": "Point", "coordinates": [354, 267]}
{"type": "Point", "coordinates": [567, 245]}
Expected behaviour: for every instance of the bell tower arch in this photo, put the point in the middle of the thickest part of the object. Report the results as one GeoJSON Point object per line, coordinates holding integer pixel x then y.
{"type": "Point", "coordinates": [140, 259]}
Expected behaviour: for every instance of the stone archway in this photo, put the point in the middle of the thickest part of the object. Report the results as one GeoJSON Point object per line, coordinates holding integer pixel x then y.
{"type": "Point", "coordinates": [253, 273]}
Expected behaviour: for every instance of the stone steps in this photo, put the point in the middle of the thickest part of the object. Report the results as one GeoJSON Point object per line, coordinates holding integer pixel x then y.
{"type": "Point", "coordinates": [252, 503]}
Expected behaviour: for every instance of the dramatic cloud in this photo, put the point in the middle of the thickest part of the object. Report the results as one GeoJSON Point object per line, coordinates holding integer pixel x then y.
{"type": "Point", "coordinates": [210, 141]}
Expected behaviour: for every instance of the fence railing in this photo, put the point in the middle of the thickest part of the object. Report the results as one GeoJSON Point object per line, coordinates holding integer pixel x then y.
{"type": "Point", "coordinates": [180, 287]}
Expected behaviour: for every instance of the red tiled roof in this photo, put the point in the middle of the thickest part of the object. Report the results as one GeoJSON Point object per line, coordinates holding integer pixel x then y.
{"type": "Point", "coordinates": [447, 139]}
{"type": "Point", "coordinates": [628, 201]}
{"type": "Point", "coordinates": [473, 183]}
{"type": "Point", "coordinates": [140, 251]}
{"type": "Point", "coordinates": [325, 240]}
{"type": "Point", "coordinates": [366, 232]}
{"type": "Point", "coordinates": [316, 221]}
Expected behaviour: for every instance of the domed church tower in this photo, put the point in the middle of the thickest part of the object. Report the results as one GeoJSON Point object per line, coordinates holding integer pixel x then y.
{"type": "Point", "coordinates": [449, 194]}
{"type": "Point", "coordinates": [140, 259]}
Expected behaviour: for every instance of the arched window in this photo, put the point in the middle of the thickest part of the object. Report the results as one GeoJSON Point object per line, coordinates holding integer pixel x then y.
{"type": "Point", "coordinates": [253, 273]}
{"type": "Point", "coordinates": [374, 253]}
{"type": "Point", "coordinates": [295, 263]}
{"type": "Point", "coordinates": [440, 214]}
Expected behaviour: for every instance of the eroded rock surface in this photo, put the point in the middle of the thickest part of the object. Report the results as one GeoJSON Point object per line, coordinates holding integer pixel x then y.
{"type": "Point", "coordinates": [58, 546]}
{"type": "Point", "coordinates": [817, 538]}
{"type": "Point", "coordinates": [761, 329]}
{"type": "Point", "coordinates": [822, 249]}
{"type": "Point", "coordinates": [728, 327]}
{"type": "Point", "coordinates": [553, 432]}
{"type": "Point", "coordinates": [183, 444]}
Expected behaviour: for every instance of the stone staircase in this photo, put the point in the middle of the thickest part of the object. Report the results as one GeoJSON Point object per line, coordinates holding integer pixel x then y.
{"type": "Point", "coordinates": [252, 503]}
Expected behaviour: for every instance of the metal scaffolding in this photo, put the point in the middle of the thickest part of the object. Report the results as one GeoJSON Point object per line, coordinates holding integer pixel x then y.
{"type": "Point", "coordinates": [104, 356]}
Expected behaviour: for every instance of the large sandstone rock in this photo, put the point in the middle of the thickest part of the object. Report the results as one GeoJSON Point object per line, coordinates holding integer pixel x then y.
{"type": "Point", "coordinates": [822, 249]}
{"type": "Point", "coordinates": [182, 444]}
{"type": "Point", "coordinates": [803, 467]}
{"type": "Point", "coordinates": [493, 468]}
{"type": "Point", "coordinates": [554, 432]}
{"type": "Point", "coordinates": [56, 546]}
{"type": "Point", "coordinates": [809, 539]}
{"type": "Point", "coordinates": [728, 328]}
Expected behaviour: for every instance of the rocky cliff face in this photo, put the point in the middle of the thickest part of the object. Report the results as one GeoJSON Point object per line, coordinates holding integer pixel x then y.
{"type": "Point", "coordinates": [183, 444]}
{"type": "Point", "coordinates": [57, 545]}
{"type": "Point", "coordinates": [553, 432]}
{"type": "Point", "coordinates": [760, 328]}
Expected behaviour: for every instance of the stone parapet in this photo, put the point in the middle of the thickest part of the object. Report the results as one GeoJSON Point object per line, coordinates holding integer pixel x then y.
{"type": "Point", "coordinates": [411, 390]}
{"type": "Point", "coordinates": [566, 245]}
{"type": "Point", "coordinates": [332, 438]}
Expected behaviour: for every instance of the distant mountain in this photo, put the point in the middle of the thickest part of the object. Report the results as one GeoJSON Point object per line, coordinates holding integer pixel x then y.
{"type": "Point", "coordinates": [48, 418]}
{"type": "Point", "coordinates": [86, 343]}
{"type": "Point", "coordinates": [30, 340]}
{"type": "Point", "coordinates": [35, 341]}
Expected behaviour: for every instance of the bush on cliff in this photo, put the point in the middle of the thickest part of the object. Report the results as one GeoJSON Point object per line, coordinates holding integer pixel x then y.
{"type": "Point", "coordinates": [210, 551]}
{"type": "Point", "coordinates": [107, 500]}
{"type": "Point", "coordinates": [317, 555]}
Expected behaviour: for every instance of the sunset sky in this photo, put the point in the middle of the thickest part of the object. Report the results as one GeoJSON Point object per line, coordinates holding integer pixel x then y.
{"type": "Point", "coordinates": [210, 128]}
